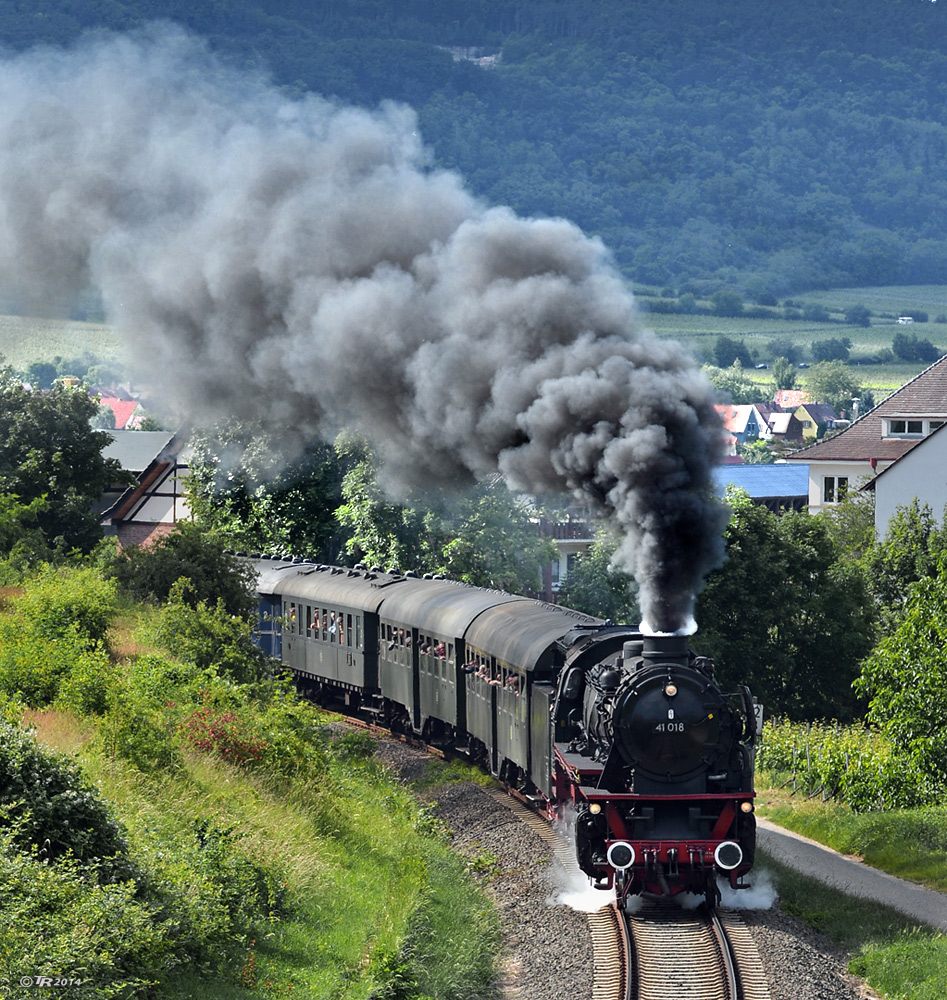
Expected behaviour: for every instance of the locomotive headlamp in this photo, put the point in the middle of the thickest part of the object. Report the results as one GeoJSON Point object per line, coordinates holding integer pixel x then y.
{"type": "Point", "coordinates": [595, 808]}
{"type": "Point", "coordinates": [621, 855]}
{"type": "Point", "coordinates": [670, 690]}
{"type": "Point", "coordinates": [746, 807]}
{"type": "Point", "coordinates": [728, 855]}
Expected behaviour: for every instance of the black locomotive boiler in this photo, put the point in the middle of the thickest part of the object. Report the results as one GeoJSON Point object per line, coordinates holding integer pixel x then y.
{"type": "Point", "coordinates": [624, 739]}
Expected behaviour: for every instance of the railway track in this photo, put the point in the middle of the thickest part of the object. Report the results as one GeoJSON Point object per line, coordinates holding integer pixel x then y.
{"type": "Point", "coordinates": [694, 953]}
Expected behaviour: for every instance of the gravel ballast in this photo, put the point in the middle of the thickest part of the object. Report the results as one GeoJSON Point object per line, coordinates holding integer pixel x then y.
{"type": "Point", "coordinates": [548, 946]}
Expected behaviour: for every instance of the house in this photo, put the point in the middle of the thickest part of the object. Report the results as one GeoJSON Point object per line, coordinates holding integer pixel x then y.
{"type": "Point", "coordinates": [785, 427]}
{"type": "Point", "coordinates": [573, 535]}
{"type": "Point", "coordinates": [779, 487]}
{"type": "Point", "coordinates": [920, 474]}
{"type": "Point", "coordinates": [876, 440]}
{"type": "Point", "coordinates": [812, 416]}
{"type": "Point", "coordinates": [151, 507]}
{"type": "Point", "coordinates": [746, 422]}
{"type": "Point", "coordinates": [128, 412]}
{"type": "Point", "coordinates": [789, 400]}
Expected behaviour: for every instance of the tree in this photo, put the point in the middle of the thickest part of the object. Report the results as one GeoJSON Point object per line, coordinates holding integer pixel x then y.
{"type": "Point", "coordinates": [493, 541]}
{"type": "Point", "coordinates": [909, 348]}
{"type": "Point", "coordinates": [905, 679]}
{"type": "Point", "coordinates": [784, 373]}
{"type": "Point", "coordinates": [725, 302]}
{"type": "Point", "coordinates": [243, 486]}
{"type": "Point", "coordinates": [727, 351]}
{"type": "Point", "coordinates": [785, 614]}
{"type": "Point", "coordinates": [756, 452]}
{"type": "Point", "coordinates": [487, 537]}
{"type": "Point", "coordinates": [851, 523]}
{"type": "Point", "coordinates": [914, 548]}
{"type": "Point", "coordinates": [832, 382]}
{"type": "Point", "coordinates": [595, 588]}
{"type": "Point", "coordinates": [377, 530]}
{"type": "Point", "coordinates": [733, 385]}
{"type": "Point", "coordinates": [858, 315]}
{"type": "Point", "coordinates": [200, 557]}
{"type": "Point", "coordinates": [783, 347]}
{"type": "Point", "coordinates": [48, 449]}
{"type": "Point", "coordinates": [831, 349]}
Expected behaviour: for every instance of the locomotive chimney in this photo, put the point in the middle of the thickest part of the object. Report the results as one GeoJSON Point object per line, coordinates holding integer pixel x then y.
{"type": "Point", "coordinates": [665, 648]}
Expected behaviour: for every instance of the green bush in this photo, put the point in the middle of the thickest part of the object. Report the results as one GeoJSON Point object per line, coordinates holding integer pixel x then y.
{"type": "Point", "coordinates": [67, 599]}
{"type": "Point", "coordinates": [133, 730]}
{"type": "Point", "coordinates": [57, 626]}
{"type": "Point", "coordinates": [853, 763]}
{"type": "Point", "coordinates": [58, 920]}
{"type": "Point", "coordinates": [47, 802]}
{"type": "Point", "coordinates": [209, 636]}
{"type": "Point", "coordinates": [189, 552]}
{"type": "Point", "coordinates": [85, 688]}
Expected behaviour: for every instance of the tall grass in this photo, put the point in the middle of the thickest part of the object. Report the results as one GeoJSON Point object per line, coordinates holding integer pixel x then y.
{"type": "Point", "coordinates": [302, 870]}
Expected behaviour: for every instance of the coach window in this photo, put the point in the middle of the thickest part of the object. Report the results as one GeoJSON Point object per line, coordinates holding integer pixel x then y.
{"type": "Point", "coordinates": [358, 631]}
{"type": "Point", "coordinates": [348, 630]}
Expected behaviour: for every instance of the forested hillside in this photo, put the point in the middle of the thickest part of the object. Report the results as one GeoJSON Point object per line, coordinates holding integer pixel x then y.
{"type": "Point", "coordinates": [771, 146]}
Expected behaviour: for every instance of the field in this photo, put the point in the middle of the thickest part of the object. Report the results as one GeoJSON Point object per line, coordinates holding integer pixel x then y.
{"type": "Point", "coordinates": [25, 339]}
{"type": "Point", "coordinates": [698, 331]}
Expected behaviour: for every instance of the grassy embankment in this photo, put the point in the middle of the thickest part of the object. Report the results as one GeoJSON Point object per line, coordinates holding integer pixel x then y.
{"type": "Point", "coordinates": [897, 956]}
{"type": "Point", "coordinates": [262, 854]}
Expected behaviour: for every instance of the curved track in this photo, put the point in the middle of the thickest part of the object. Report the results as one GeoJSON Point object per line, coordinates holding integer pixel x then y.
{"type": "Point", "coordinates": [694, 953]}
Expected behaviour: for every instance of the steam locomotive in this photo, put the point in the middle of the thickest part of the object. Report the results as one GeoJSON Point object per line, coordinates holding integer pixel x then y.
{"type": "Point", "coordinates": [623, 737]}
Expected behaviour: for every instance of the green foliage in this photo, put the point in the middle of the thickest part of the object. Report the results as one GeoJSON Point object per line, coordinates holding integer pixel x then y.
{"type": "Point", "coordinates": [858, 315]}
{"type": "Point", "coordinates": [832, 382]}
{"type": "Point", "coordinates": [733, 385]}
{"type": "Point", "coordinates": [207, 635]}
{"type": "Point", "coordinates": [784, 373]}
{"type": "Point", "coordinates": [241, 487]}
{"type": "Point", "coordinates": [853, 764]}
{"type": "Point", "coordinates": [756, 452]}
{"type": "Point", "coordinates": [595, 588]}
{"type": "Point", "coordinates": [47, 803]}
{"type": "Point", "coordinates": [914, 548]}
{"type": "Point", "coordinates": [727, 351]}
{"type": "Point", "coordinates": [726, 302]}
{"type": "Point", "coordinates": [909, 348]}
{"type": "Point", "coordinates": [904, 680]}
{"type": "Point", "coordinates": [55, 917]}
{"type": "Point", "coordinates": [781, 608]}
{"type": "Point", "coordinates": [831, 348]}
{"type": "Point", "coordinates": [493, 541]}
{"type": "Point", "coordinates": [65, 598]}
{"type": "Point", "coordinates": [48, 450]}
{"type": "Point", "coordinates": [85, 688]}
{"type": "Point", "coordinates": [56, 631]}
{"type": "Point", "coordinates": [851, 523]}
{"type": "Point", "coordinates": [134, 730]}
{"type": "Point", "coordinates": [487, 537]}
{"type": "Point", "coordinates": [194, 554]}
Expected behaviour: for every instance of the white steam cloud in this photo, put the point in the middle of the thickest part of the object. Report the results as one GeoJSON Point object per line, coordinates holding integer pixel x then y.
{"type": "Point", "coordinates": [299, 263]}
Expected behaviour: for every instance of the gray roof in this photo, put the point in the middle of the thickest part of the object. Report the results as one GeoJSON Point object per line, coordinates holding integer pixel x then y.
{"type": "Point", "coordinates": [780, 480]}
{"type": "Point", "coordinates": [136, 450]}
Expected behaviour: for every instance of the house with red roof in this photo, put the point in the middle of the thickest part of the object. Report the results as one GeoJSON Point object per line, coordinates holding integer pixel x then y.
{"type": "Point", "coordinates": [874, 442]}
{"type": "Point", "coordinates": [128, 412]}
{"type": "Point", "coordinates": [789, 400]}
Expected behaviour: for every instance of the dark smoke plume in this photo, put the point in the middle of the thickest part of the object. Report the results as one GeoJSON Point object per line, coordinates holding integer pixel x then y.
{"type": "Point", "coordinates": [300, 262]}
